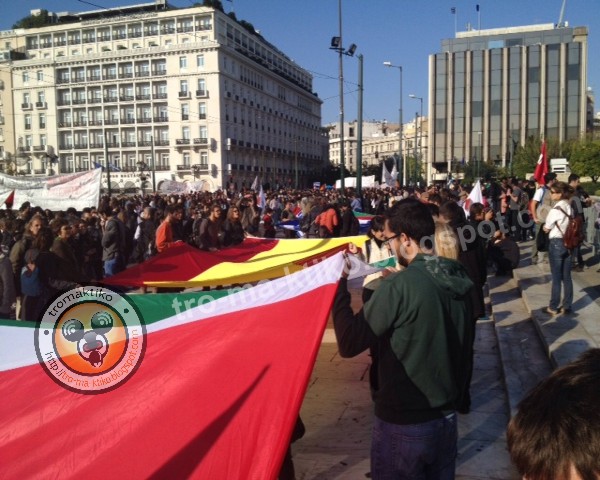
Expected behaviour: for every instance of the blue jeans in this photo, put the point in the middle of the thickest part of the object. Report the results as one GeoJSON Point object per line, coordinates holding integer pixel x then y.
{"type": "Point", "coordinates": [423, 451]}
{"type": "Point", "coordinates": [560, 268]}
{"type": "Point", "coordinates": [113, 266]}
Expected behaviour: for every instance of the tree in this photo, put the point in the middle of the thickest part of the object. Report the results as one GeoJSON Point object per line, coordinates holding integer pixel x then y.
{"type": "Point", "coordinates": [585, 159]}
{"type": "Point", "coordinates": [34, 21]}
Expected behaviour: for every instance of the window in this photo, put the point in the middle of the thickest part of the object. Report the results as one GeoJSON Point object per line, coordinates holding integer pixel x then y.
{"type": "Point", "coordinates": [186, 159]}
{"type": "Point", "coordinates": [183, 86]}
{"type": "Point", "coordinates": [185, 111]}
{"type": "Point", "coordinates": [185, 132]}
{"type": "Point", "coordinates": [203, 132]}
{"type": "Point", "coordinates": [204, 159]}
{"type": "Point", "coordinates": [40, 76]}
{"type": "Point", "coordinates": [26, 98]}
{"type": "Point", "coordinates": [182, 62]}
{"type": "Point", "coordinates": [200, 61]}
{"type": "Point", "coordinates": [42, 120]}
{"type": "Point", "coordinates": [41, 97]}
{"type": "Point", "coordinates": [28, 122]}
{"type": "Point", "coordinates": [201, 85]}
{"type": "Point", "coordinates": [25, 77]}
{"type": "Point", "coordinates": [28, 141]}
{"type": "Point", "coordinates": [43, 140]}
{"type": "Point", "coordinates": [202, 110]}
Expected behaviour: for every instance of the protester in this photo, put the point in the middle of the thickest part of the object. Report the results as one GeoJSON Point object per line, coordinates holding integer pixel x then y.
{"type": "Point", "coordinates": [114, 242]}
{"type": "Point", "coordinates": [233, 231]}
{"type": "Point", "coordinates": [540, 206]}
{"type": "Point", "coordinates": [555, 434]}
{"type": "Point", "coordinates": [165, 237]}
{"type": "Point", "coordinates": [327, 221]}
{"type": "Point", "coordinates": [145, 236]}
{"type": "Point", "coordinates": [419, 320]}
{"type": "Point", "coordinates": [288, 216]}
{"type": "Point", "coordinates": [209, 235]}
{"type": "Point", "coordinates": [579, 201]}
{"type": "Point", "coordinates": [559, 257]}
{"type": "Point", "coordinates": [8, 294]}
{"type": "Point", "coordinates": [69, 264]}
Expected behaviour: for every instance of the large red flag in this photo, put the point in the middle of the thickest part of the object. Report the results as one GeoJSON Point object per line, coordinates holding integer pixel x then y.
{"type": "Point", "coordinates": [541, 168]}
{"type": "Point", "coordinates": [215, 397]}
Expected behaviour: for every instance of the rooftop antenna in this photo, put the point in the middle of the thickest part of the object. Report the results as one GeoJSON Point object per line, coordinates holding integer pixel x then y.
{"type": "Point", "coordinates": [560, 23]}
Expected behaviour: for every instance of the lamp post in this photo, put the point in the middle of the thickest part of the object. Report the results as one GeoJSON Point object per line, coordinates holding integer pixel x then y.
{"type": "Point", "coordinates": [400, 159]}
{"type": "Point", "coordinates": [420, 126]}
{"type": "Point", "coordinates": [479, 134]}
{"type": "Point", "coordinates": [336, 45]}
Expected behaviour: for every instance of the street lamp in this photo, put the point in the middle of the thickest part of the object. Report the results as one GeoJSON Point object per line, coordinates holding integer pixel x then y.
{"type": "Point", "coordinates": [389, 64]}
{"type": "Point", "coordinates": [420, 126]}
{"type": "Point", "coordinates": [479, 134]}
{"type": "Point", "coordinates": [336, 45]}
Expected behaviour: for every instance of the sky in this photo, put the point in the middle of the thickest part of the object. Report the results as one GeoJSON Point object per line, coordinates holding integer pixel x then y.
{"type": "Point", "coordinates": [404, 32]}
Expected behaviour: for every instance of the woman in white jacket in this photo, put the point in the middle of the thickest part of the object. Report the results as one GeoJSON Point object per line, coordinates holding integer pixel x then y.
{"type": "Point", "coordinates": [558, 255]}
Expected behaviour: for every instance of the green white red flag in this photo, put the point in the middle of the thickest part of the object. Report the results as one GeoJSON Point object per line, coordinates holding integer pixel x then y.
{"type": "Point", "coordinates": [215, 397]}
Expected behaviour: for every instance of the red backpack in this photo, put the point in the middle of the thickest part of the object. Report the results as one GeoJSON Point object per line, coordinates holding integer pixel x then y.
{"type": "Point", "coordinates": [573, 236]}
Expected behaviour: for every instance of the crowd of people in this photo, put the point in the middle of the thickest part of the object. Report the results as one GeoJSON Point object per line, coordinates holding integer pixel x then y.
{"type": "Point", "coordinates": [441, 241]}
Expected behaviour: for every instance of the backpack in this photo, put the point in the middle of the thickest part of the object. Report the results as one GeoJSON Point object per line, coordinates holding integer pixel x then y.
{"type": "Point", "coordinates": [573, 235]}
{"type": "Point", "coordinates": [523, 200]}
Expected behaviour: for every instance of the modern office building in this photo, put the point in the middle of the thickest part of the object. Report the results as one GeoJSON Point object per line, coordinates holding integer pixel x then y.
{"type": "Point", "coordinates": [488, 88]}
{"type": "Point", "coordinates": [190, 92]}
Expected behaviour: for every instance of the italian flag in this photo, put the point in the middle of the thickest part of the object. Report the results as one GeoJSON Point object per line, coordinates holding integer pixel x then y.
{"type": "Point", "coordinates": [215, 397]}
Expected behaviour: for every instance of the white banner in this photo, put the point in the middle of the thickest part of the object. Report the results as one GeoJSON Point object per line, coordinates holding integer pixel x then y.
{"type": "Point", "coordinates": [176, 188]}
{"type": "Point", "coordinates": [59, 192]}
{"type": "Point", "coordinates": [367, 182]}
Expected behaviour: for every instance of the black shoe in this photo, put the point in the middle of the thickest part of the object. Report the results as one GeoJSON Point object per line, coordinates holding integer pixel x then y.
{"type": "Point", "coordinates": [566, 311]}
{"type": "Point", "coordinates": [578, 268]}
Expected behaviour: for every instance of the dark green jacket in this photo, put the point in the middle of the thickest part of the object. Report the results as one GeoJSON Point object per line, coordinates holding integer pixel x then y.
{"type": "Point", "coordinates": [417, 324]}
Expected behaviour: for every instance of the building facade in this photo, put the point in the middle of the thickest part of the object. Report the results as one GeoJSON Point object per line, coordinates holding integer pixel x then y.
{"type": "Point", "coordinates": [492, 89]}
{"type": "Point", "coordinates": [191, 93]}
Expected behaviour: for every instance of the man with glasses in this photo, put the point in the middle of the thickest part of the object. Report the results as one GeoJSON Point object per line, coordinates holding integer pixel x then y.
{"type": "Point", "coordinates": [417, 325]}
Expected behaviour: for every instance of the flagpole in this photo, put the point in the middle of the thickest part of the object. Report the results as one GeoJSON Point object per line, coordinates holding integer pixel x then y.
{"type": "Point", "coordinates": [478, 17]}
{"type": "Point", "coordinates": [107, 164]}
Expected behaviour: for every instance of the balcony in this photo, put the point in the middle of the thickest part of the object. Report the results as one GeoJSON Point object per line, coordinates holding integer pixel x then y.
{"type": "Point", "coordinates": [111, 99]}
{"type": "Point", "coordinates": [185, 29]}
{"type": "Point", "coordinates": [201, 141]}
{"type": "Point", "coordinates": [95, 100]}
{"type": "Point", "coordinates": [41, 105]}
{"type": "Point", "coordinates": [39, 171]}
{"type": "Point", "coordinates": [27, 106]}
{"type": "Point", "coordinates": [125, 75]}
{"type": "Point", "coordinates": [159, 96]}
{"type": "Point", "coordinates": [96, 145]}
{"type": "Point", "coordinates": [200, 168]}
{"type": "Point", "coordinates": [144, 120]}
{"type": "Point", "coordinates": [63, 102]}
{"type": "Point", "coordinates": [184, 94]}
{"type": "Point", "coordinates": [80, 146]}
{"type": "Point", "coordinates": [112, 144]}
{"type": "Point", "coordinates": [46, 45]}
{"type": "Point", "coordinates": [94, 78]}
{"type": "Point", "coordinates": [167, 30]}
{"type": "Point", "coordinates": [110, 76]}
{"type": "Point", "coordinates": [202, 116]}
{"type": "Point", "coordinates": [74, 41]}
{"type": "Point", "coordinates": [62, 80]}
{"type": "Point", "coordinates": [162, 168]}
{"type": "Point", "coordinates": [161, 143]}
{"type": "Point", "coordinates": [135, 34]}
{"type": "Point", "coordinates": [142, 73]}
{"type": "Point", "coordinates": [104, 38]}
{"type": "Point", "coordinates": [80, 123]}
{"type": "Point", "coordinates": [184, 168]}
{"type": "Point", "coordinates": [159, 71]}
{"type": "Point", "coordinates": [119, 35]}
{"type": "Point", "coordinates": [95, 123]}
{"type": "Point", "coordinates": [161, 119]}
{"type": "Point", "coordinates": [60, 43]}
{"type": "Point", "coordinates": [65, 124]}
{"type": "Point", "coordinates": [79, 101]}
{"type": "Point", "coordinates": [128, 144]}
{"type": "Point", "coordinates": [185, 116]}
{"type": "Point", "coordinates": [78, 79]}
{"type": "Point", "coordinates": [201, 93]}
{"type": "Point", "coordinates": [127, 121]}
{"type": "Point", "coordinates": [39, 148]}
{"type": "Point", "coordinates": [144, 143]}
{"type": "Point", "coordinates": [126, 98]}
{"type": "Point", "coordinates": [182, 141]}
{"type": "Point", "coordinates": [111, 121]}
{"type": "Point", "coordinates": [65, 146]}
{"type": "Point", "coordinates": [143, 97]}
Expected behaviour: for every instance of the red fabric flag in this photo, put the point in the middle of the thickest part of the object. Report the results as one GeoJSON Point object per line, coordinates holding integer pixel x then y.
{"type": "Point", "coordinates": [216, 395]}
{"type": "Point", "coordinates": [541, 168]}
{"type": "Point", "coordinates": [10, 200]}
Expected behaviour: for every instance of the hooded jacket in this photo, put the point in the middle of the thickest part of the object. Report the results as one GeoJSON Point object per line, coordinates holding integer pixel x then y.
{"type": "Point", "coordinates": [417, 324]}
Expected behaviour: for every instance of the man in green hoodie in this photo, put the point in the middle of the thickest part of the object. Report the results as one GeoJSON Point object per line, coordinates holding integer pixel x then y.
{"type": "Point", "coordinates": [417, 327]}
